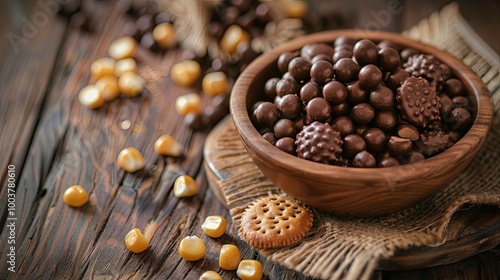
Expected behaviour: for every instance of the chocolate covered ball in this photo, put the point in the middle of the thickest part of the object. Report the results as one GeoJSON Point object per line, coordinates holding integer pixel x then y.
{"type": "Point", "coordinates": [290, 106]}
{"type": "Point", "coordinates": [389, 44]}
{"type": "Point", "coordinates": [399, 146]}
{"type": "Point", "coordinates": [364, 159]}
{"type": "Point", "coordinates": [266, 114]}
{"type": "Point", "coordinates": [385, 120]}
{"type": "Point", "coordinates": [346, 70]}
{"type": "Point", "coordinates": [461, 119]}
{"type": "Point", "coordinates": [388, 162]}
{"type": "Point", "coordinates": [321, 72]}
{"type": "Point", "coordinates": [269, 136]}
{"type": "Point", "coordinates": [320, 57]}
{"type": "Point", "coordinates": [344, 125]}
{"type": "Point", "coordinates": [277, 100]}
{"type": "Point", "coordinates": [454, 87]}
{"type": "Point", "coordinates": [341, 109]}
{"type": "Point", "coordinates": [396, 78]}
{"type": "Point", "coordinates": [375, 140]}
{"type": "Point", "coordinates": [382, 98]}
{"type": "Point", "coordinates": [284, 59]}
{"type": "Point", "coordinates": [284, 128]}
{"type": "Point", "coordinates": [270, 88]}
{"type": "Point", "coordinates": [408, 131]}
{"type": "Point", "coordinates": [287, 76]}
{"type": "Point", "coordinates": [365, 52]}
{"type": "Point", "coordinates": [312, 50]}
{"type": "Point", "coordinates": [309, 91]}
{"type": "Point", "coordinates": [335, 92]}
{"type": "Point", "coordinates": [415, 157]}
{"type": "Point", "coordinates": [353, 144]}
{"type": "Point", "coordinates": [343, 47]}
{"type": "Point", "coordinates": [362, 113]}
{"type": "Point", "coordinates": [287, 86]}
{"type": "Point", "coordinates": [287, 145]}
{"type": "Point", "coordinates": [407, 53]}
{"type": "Point", "coordinates": [338, 55]}
{"type": "Point", "coordinates": [388, 59]}
{"type": "Point", "coordinates": [369, 76]}
{"type": "Point", "coordinates": [300, 68]}
{"type": "Point", "coordinates": [360, 129]}
{"type": "Point", "coordinates": [446, 106]}
{"type": "Point", "coordinates": [343, 40]}
{"type": "Point", "coordinates": [318, 109]}
{"type": "Point", "coordinates": [299, 123]}
{"type": "Point", "coordinates": [356, 94]}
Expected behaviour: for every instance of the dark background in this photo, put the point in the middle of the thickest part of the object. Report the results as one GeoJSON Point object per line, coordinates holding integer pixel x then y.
{"type": "Point", "coordinates": [482, 15]}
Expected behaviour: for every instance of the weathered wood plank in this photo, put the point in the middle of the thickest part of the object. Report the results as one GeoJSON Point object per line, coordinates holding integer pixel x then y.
{"type": "Point", "coordinates": [24, 80]}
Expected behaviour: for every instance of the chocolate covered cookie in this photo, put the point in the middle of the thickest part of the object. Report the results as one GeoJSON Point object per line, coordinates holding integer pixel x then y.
{"type": "Point", "coordinates": [418, 102]}
{"type": "Point", "coordinates": [429, 68]}
{"type": "Point", "coordinates": [433, 142]}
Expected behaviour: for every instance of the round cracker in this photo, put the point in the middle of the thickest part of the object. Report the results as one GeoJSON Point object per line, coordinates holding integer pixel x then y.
{"type": "Point", "coordinates": [274, 221]}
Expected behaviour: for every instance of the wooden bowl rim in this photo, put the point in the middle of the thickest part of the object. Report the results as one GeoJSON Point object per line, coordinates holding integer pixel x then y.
{"type": "Point", "coordinates": [293, 165]}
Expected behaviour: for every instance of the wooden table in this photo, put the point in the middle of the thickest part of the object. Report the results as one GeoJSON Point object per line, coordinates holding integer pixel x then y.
{"type": "Point", "coordinates": [50, 141]}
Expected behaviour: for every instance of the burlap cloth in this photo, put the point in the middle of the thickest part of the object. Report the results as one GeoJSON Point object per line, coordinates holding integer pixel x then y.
{"type": "Point", "coordinates": [348, 248]}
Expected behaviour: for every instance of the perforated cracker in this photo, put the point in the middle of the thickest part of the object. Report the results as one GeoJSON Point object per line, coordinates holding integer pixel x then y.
{"type": "Point", "coordinates": [274, 221]}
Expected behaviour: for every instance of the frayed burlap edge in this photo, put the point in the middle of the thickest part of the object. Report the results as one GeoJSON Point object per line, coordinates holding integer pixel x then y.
{"type": "Point", "coordinates": [348, 248]}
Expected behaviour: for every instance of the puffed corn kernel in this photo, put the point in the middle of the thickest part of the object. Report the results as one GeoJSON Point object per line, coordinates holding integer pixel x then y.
{"type": "Point", "coordinates": [136, 241]}
{"type": "Point", "coordinates": [192, 248]}
{"type": "Point", "coordinates": [215, 83]}
{"type": "Point", "coordinates": [295, 8]}
{"type": "Point", "coordinates": [108, 87]}
{"type": "Point", "coordinates": [214, 226]}
{"type": "Point", "coordinates": [166, 145]}
{"type": "Point", "coordinates": [250, 270]}
{"type": "Point", "coordinates": [123, 47]}
{"type": "Point", "coordinates": [91, 97]}
{"type": "Point", "coordinates": [185, 73]}
{"type": "Point", "coordinates": [104, 66]}
{"type": "Point", "coordinates": [164, 35]}
{"type": "Point", "coordinates": [125, 65]}
{"type": "Point", "coordinates": [131, 84]}
{"type": "Point", "coordinates": [185, 186]}
{"type": "Point", "coordinates": [233, 36]}
{"type": "Point", "coordinates": [130, 159]}
{"type": "Point", "coordinates": [210, 275]}
{"type": "Point", "coordinates": [188, 103]}
{"type": "Point", "coordinates": [229, 257]}
{"type": "Point", "coordinates": [75, 196]}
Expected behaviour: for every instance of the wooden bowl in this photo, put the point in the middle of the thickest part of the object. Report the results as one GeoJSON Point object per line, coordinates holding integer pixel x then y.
{"type": "Point", "coordinates": [360, 192]}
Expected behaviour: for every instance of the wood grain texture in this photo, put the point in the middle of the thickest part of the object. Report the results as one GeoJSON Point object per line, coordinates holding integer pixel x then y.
{"type": "Point", "coordinates": [358, 192]}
